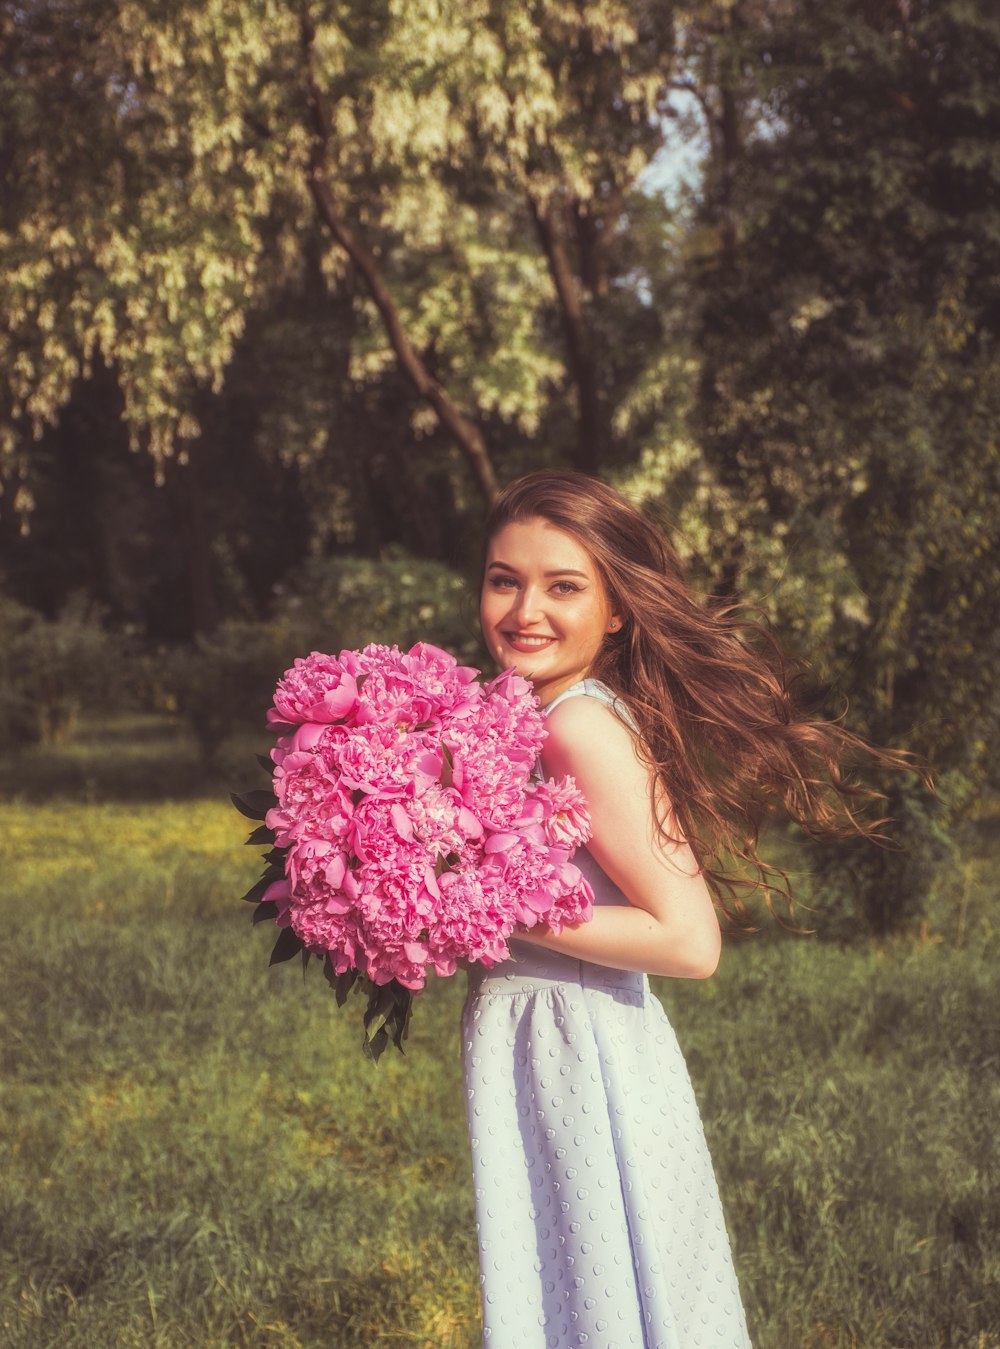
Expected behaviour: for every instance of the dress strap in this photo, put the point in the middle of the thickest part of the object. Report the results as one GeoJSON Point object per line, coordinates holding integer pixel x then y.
{"type": "Point", "coordinates": [593, 688]}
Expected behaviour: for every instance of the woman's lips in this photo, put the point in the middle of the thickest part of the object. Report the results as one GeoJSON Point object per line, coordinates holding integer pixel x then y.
{"type": "Point", "coordinates": [526, 643]}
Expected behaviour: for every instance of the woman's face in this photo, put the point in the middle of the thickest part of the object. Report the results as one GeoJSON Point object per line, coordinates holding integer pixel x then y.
{"type": "Point", "coordinates": [543, 608]}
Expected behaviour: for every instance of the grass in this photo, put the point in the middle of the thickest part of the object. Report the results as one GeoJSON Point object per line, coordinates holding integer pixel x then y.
{"type": "Point", "coordinates": [196, 1153]}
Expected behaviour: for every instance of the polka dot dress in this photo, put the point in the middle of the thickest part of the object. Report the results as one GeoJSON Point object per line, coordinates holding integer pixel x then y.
{"type": "Point", "coordinates": [598, 1214]}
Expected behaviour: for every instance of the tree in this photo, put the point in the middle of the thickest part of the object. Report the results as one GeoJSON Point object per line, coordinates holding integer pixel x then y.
{"type": "Point", "coordinates": [167, 165]}
{"type": "Point", "coordinates": [850, 387]}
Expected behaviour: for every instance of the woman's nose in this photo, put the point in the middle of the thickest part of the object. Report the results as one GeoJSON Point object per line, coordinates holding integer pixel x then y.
{"type": "Point", "coordinates": [527, 608]}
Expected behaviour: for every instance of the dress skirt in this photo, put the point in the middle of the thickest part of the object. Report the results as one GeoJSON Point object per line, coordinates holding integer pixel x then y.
{"type": "Point", "coordinates": [598, 1214]}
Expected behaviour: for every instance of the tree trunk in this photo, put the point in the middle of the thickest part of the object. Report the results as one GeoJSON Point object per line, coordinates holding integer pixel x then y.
{"type": "Point", "coordinates": [594, 426]}
{"type": "Point", "coordinates": [184, 482]}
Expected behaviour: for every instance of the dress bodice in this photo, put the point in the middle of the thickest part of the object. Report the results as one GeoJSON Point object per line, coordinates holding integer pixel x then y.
{"type": "Point", "coordinates": [529, 961]}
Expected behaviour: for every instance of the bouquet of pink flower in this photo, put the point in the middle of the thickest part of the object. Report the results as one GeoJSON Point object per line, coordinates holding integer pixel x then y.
{"type": "Point", "coordinates": [405, 827]}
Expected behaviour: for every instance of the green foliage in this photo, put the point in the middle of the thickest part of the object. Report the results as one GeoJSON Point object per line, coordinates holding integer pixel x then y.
{"type": "Point", "coordinates": [177, 198]}
{"type": "Point", "coordinates": [19, 722]}
{"type": "Point", "coordinates": [51, 669]}
{"type": "Point", "coordinates": [223, 682]}
{"type": "Point", "coordinates": [858, 889]}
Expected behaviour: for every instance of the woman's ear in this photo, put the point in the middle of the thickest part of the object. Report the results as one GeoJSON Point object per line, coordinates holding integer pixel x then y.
{"type": "Point", "coordinates": [614, 623]}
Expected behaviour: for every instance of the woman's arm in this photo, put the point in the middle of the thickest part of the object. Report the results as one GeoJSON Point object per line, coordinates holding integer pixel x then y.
{"type": "Point", "coordinates": [671, 925]}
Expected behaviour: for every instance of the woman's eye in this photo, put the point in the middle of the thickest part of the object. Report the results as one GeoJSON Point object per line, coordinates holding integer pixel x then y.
{"type": "Point", "coordinates": [502, 582]}
{"type": "Point", "coordinates": [565, 588]}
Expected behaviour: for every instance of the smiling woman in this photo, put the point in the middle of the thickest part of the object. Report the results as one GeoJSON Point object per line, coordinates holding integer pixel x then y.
{"type": "Point", "coordinates": [599, 1219]}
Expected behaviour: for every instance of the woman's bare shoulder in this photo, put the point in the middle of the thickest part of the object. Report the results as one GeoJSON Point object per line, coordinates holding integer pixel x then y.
{"type": "Point", "coordinates": [584, 711]}
{"type": "Point", "coordinates": [586, 729]}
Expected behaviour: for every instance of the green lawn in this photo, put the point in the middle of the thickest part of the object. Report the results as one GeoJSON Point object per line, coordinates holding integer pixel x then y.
{"type": "Point", "coordinates": [197, 1154]}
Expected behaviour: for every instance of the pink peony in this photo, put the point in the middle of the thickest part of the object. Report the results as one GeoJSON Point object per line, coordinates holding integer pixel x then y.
{"type": "Point", "coordinates": [470, 920]}
{"type": "Point", "coordinates": [562, 810]}
{"type": "Point", "coordinates": [311, 799]}
{"type": "Point", "coordinates": [369, 758]}
{"type": "Point", "coordinates": [316, 688]}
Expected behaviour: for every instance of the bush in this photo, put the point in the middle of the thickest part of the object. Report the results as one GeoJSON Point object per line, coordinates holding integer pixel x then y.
{"type": "Point", "coordinates": [18, 720]}
{"type": "Point", "coordinates": [349, 601]}
{"type": "Point", "coordinates": [860, 889]}
{"type": "Point", "coordinates": [51, 669]}
{"type": "Point", "coordinates": [223, 683]}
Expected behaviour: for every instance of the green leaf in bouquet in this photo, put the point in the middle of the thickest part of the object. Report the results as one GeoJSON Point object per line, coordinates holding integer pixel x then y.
{"type": "Point", "coordinates": [306, 957]}
{"type": "Point", "coordinates": [373, 1048]}
{"type": "Point", "coordinates": [287, 945]}
{"type": "Point", "coordinates": [399, 1023]}
{"type": "Point", "coordinates": [257, 891]}
{"type": "Point", "coordinates": [265, 763]}
{"type": "Point", "coordinates": [387, 1015]}
{"type": "Point", "coordinates": [380, 1003]}
{"type": "Point", "coordinates": [265, 909]}
{"type": "Point", "coordinates": [447, 767]}
{"type": "Point", "coordinates": [445, 863]}
{"type": "Point", "coordinates": [275, 858]}
{"type": "Point", "coordinates": [340, 983]}
{"type": "Point", "coordinates": [345, 982]}
{"type": "Point", "coordinates": [254, 805]}
{"type": "Point", "coordinates": [261, 835]}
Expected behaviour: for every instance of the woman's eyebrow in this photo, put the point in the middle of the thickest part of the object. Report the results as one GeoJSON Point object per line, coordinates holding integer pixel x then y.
{"type": "Point", "coordinates": [560, 571]}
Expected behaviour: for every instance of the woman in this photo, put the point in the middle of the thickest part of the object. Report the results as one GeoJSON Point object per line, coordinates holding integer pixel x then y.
{"type": "Point", "coordinates": [598, 1215]}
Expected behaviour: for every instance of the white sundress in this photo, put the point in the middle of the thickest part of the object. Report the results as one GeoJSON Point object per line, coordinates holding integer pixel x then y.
{"type": "Point", "coordinates": [598, 1214]}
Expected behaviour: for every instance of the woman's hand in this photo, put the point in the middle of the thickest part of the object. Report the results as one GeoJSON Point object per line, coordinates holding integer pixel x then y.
{"type": "Point", "coordinates": [671, 927]}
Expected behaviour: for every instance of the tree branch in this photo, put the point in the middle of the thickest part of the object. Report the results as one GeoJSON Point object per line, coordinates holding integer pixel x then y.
{"type": "Point", "coordinates": [465, 432]}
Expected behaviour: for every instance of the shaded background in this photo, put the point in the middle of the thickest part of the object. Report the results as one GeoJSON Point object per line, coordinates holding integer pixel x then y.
{"type": "Point", "coordinates": [285, 293]}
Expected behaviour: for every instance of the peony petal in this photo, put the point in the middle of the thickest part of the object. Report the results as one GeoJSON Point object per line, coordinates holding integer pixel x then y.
{"type": "Point", "coordinates": [401, 822]}
{"type": "Point", "coordinates": [500, 842]}
{"type": "Point", "coordinates": [335, 871]}
{"type": "Point", "coordinates": [338, 904]}
{"type": "Point", "coordinates": [468, 823]}
{"type": "Point", "coordinates": [307, 736]}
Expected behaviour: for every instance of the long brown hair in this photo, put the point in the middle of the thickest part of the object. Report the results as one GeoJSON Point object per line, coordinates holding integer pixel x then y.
{"type": "Point", "coordinates": [713, 697]}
